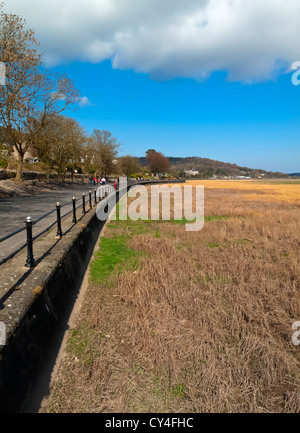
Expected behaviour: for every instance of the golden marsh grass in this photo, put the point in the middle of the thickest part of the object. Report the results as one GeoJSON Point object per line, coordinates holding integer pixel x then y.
{"type": "Point", "coordinates": [191, 322]}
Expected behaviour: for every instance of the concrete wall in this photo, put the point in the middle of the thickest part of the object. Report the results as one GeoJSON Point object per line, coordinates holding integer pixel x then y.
{"type": "Point", "coordinates": [46, 316]}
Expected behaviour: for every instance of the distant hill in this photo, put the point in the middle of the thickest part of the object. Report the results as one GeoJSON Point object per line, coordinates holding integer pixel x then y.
{"type": "Point", "coordinates": [294, 174]}
{"type": "Point", "coordinates": [209, 168]}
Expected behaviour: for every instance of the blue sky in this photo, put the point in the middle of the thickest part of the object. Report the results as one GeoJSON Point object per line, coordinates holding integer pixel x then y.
{"type": "Point", "coordinates": [254, 125]}
{"type": "Point", "coordinates": [207, 78]}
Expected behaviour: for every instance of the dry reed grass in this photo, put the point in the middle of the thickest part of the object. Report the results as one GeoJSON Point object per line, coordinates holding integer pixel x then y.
{"type": "Point", "coordinates": [203, 324]}
{"type": "Point", "coordinates": [272, 190]}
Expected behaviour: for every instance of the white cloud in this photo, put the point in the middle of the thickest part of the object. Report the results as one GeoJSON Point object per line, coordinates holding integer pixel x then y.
{"type": "Point", "coordinates": [251, 39]}
{"type": "Point", "coordinates": [84, 102]}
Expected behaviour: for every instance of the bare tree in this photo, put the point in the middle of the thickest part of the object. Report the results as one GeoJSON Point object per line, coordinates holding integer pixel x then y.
{"type": "Point", "coordinates": [88, 154]}
{"type": "Point", "coordinates": [157, 162]}
{"type": "Point", "coordinates": [60, 143]}
{"type": "Point", "coordinates": [129, 165]}
{"type": "Point", "coordinates": [32, 95]}
{"type": "Point", "coordinates": [105, 150]}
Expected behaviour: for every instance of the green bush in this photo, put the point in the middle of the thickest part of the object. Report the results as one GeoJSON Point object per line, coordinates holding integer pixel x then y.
{"type": "Point", "coordinates": [91, 169]}
{"type": "Point", "coordinates": [3, 163]}
{"type": "Point", "coordinates": [72, 167]}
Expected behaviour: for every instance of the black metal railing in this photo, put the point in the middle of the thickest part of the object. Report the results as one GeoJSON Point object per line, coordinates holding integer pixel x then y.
{"type": "Point", "coordinates": [76, 204]}
{"type": "Point", "coordinates": [84, 202]}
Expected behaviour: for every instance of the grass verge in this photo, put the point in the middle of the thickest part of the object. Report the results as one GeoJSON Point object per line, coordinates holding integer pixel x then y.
{"type": "Point", "coordinates": [182, 322]}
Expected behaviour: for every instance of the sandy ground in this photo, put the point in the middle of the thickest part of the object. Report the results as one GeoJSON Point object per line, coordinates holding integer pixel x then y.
{"type": "Point", "coordinates": [10, 188]}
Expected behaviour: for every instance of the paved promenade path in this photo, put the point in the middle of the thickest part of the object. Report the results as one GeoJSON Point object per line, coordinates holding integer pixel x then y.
{"type": "Point", "coordinates": [15, 210]}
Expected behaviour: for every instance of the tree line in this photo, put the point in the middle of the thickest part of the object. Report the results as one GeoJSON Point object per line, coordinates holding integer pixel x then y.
{"type": "Point", "coordinates": [33, 106]}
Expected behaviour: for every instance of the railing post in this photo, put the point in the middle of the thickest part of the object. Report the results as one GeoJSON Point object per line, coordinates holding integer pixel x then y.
{"type": "Point", "coordinates": [59, 230]}
{"type": "Point", "coordinates": [95, 196]}
{"type": "Point", "coordinates": [90, 198]}
{"type": "Point", "coordinates": [30, 263]}
{"type": "Point", "coordinates": [74, 221]}
{"type": "Point", "coordinates": [83, 204]}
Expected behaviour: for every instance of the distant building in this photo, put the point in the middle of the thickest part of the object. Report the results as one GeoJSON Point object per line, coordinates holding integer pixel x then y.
{"type": "Point", "coordinates": [31, 156]}
{"type": "Point", "coordinates": [191, 172]}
